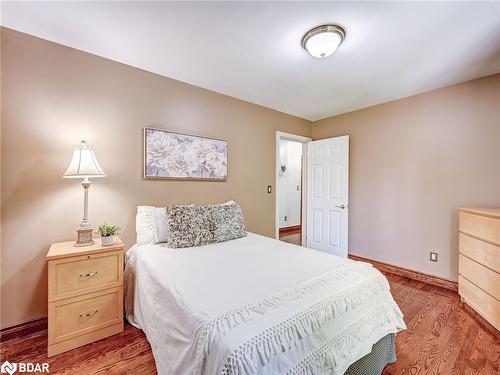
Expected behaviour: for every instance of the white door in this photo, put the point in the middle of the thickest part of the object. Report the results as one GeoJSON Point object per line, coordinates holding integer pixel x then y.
{"type": "Point", "coordinates": [328, 195]}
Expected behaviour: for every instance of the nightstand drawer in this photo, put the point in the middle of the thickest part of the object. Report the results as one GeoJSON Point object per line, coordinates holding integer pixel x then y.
{"type": "Point", "coordinates": [69, 277]}
{"type": "Point", "coordinates": [78, 316]}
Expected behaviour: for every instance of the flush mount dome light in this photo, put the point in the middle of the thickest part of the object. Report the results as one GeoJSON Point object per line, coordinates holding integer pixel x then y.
{"type": "Point", "coordinates": [323, 40]}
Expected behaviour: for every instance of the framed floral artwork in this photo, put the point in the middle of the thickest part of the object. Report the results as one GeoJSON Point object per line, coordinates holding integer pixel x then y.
{"type": "Point", "coordinates": [170, 155]}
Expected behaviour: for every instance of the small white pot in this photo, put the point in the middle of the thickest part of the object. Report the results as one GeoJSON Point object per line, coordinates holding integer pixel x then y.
{"type": "Point", "coordinates": [107, 241]}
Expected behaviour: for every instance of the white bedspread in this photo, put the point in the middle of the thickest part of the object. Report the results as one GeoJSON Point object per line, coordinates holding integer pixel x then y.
{"type": "Point", "coordinates": [256, 306]}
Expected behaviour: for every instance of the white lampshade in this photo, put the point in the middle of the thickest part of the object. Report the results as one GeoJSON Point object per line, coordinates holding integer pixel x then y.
{"type": "Point", "coordinates": [84, 163]}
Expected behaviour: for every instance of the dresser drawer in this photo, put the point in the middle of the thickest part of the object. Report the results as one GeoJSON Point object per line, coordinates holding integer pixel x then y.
{"type": "Point", "coordinates": [483, 227]}
{"type": "Point", "coordinates": [484, 278]}
{"type": "Point", "coordinates": [482, 252]}
{"type": "Point", "coordinates": [69, 277]}
{"type": "Point", "coordinates": [79, 316]}
{"type": "Point", "coordinates": [487, 306]}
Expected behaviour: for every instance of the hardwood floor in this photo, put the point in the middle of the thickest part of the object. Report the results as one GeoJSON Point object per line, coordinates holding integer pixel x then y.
{"type": "Point", "coordinates": [442, 338]}
{"type": "Point", "coordinates": [291, 238]}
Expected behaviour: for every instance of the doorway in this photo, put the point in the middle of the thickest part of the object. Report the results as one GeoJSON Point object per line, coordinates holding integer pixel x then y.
{"type": "Point", "coordinates": [322, 192]}
{"type": "Point", "coordinates": [290, 192]}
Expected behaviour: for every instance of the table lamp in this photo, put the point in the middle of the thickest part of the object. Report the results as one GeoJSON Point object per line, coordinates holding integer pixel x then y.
{"type": "Point", "coordinates": [84, 165]}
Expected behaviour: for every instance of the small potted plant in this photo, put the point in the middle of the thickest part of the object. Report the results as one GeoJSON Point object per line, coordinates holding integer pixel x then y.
{"type": "Point", "coordinates": [107, 232]}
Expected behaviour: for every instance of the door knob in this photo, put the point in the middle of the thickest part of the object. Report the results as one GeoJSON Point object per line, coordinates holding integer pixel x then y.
{"type": "Point", "coordinates": [342, 206]}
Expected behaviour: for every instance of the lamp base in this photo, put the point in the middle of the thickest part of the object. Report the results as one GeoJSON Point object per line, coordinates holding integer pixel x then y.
{"type": "Point", "coordinates": [84, 237]}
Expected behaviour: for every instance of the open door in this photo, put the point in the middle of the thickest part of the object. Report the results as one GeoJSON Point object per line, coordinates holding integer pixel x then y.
{"type": "Point", "coordinates": [328, 195]}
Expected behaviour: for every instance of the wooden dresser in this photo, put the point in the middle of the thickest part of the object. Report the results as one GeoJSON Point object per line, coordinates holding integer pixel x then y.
{"type": "Point", "coordinates": [479, 261]}
{"type": "Point", "coordinates": [85, 294]}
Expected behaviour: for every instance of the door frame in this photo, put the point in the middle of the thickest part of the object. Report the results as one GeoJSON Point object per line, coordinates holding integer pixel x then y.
{"type": "Point", "coordinates": [303, 210]}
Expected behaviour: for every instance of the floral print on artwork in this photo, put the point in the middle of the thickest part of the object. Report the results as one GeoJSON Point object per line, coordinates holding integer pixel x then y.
{"type": "Point", "coordinates": [172, 155]}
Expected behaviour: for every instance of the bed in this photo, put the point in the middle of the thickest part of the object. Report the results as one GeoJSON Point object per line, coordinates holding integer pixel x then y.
{"type": "Point", "coordinates": [256, 305]}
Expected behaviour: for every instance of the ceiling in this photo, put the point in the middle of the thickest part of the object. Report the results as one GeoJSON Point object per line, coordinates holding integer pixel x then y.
{"type": "Point", "coordinates": [251, 50]}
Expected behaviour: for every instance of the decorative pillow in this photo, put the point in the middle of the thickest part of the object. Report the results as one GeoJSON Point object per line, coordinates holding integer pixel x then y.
{"type": "Point", "coordinates": [189, 226]}
{"type": "Point", "coordinates": [228, 222]}
{"type": "Point", "coordinates": [145, 225]}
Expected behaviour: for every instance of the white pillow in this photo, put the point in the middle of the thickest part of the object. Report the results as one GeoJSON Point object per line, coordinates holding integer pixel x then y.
{"type": "Point", "coordinates": [145, 226]}
{"type": "Point", "coordinates": [162, 231]}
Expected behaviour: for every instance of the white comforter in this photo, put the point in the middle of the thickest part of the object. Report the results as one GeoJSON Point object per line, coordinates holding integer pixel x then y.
{"type": "Point", "coordinates": [256, 306]}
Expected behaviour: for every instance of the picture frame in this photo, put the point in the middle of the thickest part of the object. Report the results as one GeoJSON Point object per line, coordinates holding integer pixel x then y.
{"type": "Point", "coordinates": [177, 156]}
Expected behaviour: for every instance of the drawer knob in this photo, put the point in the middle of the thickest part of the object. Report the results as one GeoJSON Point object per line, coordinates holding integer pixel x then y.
{"type": "Point", "coordinates": [90, 274]}
{"type": "Point", "coordinates": [89, 314]}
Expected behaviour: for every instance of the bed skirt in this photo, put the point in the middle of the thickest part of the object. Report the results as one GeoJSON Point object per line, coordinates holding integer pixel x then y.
{"type": "Point", "coordinates": [383, 353]}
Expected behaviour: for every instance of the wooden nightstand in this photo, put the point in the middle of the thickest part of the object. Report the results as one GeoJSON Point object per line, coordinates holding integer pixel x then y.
{"type": "Point", "coordinates": [85, 294]}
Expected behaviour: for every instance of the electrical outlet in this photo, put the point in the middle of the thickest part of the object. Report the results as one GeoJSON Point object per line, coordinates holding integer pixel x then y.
{"type": "Point", "coordinates": [433, 256]}
{"type": "Point", "coordinates": [285, 218]}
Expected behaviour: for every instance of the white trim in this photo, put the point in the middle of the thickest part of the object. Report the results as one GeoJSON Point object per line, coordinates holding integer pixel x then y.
{"type": "Point", "coordinates": [304, 141]}
{"type": "Point", "coordinates": [292, 137]}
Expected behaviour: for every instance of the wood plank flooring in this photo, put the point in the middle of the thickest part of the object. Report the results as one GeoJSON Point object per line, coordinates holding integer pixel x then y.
{"type": "Point", "coordinates": [294, 238]}
{"type": "Point", "coordinates": [442, 338]}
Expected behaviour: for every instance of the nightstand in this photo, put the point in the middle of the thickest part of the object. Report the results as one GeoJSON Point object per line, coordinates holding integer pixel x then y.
{"type": "Point", "coordinates": [85, 294]}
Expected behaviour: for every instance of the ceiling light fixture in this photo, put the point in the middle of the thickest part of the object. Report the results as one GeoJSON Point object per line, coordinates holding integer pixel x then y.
{"type": "Point", "coordinates": [323, 40]}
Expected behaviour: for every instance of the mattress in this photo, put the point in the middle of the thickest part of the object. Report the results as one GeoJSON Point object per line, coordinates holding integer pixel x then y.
{"type": "Point", "coordinates": [256, 305]}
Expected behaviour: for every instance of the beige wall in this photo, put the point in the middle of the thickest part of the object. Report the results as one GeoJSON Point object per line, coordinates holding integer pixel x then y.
{"type": "Point", "coordinates": [54, 96]}
{"type": "Point", "coordinates": [413, 163]}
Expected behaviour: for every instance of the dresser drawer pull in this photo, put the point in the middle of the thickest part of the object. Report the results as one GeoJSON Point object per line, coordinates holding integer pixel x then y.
{"type": "Point", "coordinates": [90, 274]}
{"type": "Point", "coordinates": [87, 315]}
